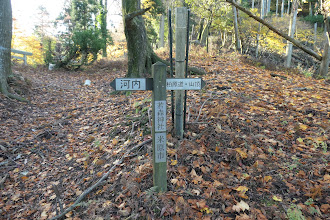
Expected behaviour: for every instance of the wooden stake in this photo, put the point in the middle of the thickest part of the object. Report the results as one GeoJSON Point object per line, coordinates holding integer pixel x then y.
{"type": "Point", "coordinates": [159, 126]}
{"type": "Point", "coordinates": [180, 38]}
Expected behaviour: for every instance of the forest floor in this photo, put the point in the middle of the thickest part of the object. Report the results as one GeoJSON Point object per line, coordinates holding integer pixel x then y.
{"type": "Point", "coordinates": [256, 146]}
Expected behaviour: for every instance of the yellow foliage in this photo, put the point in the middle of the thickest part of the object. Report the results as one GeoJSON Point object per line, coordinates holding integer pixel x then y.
{"type": "Point", "coordinates": [29, 44]}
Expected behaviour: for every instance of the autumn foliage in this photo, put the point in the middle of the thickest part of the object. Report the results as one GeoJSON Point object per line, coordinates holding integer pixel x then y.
{"type": "Point", "coordinates": [256, 146]}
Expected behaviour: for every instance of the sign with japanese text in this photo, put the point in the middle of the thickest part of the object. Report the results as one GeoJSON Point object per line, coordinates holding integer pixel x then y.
{"type": "Point", "coordinates": [160, 147]}
{"type": "Point", "coordinates": [184, 84]}
{"type": "Point", "coordinates": [160, 116]}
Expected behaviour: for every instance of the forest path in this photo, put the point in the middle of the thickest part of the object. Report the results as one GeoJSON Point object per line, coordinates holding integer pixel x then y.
{"type": "Point", "coordinates": [256, 145]}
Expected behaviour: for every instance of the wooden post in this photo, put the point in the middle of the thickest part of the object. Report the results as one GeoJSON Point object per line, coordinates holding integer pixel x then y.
{"type": "Point", "coordinates": [159, 126]}
{"type": "Point", "coordinates": [180, 38]}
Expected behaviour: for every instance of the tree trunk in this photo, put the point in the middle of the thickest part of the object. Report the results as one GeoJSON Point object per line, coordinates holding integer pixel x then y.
{"type": "Point", "coordinates": [282, 8]}
{"type": "Point", "coordinates": [237, 38]}
{"type": "Point", "coordinates": [276, 8]}
{"type": "Point", "coordinates": [288, 12]}
{"type": "Point", "coordinates": [326, 53]}
{"type": "Point", "coordinates": [268, 25]}
{"type": "Point", "coordinates": [104, 30]}
{"type": "Point", "coordinates": [5, 47]}
{"type": "Point", "coordinates": [259, 30]}
{"type": "Point", "coordinates": [201, 28]}
{"type": "Point", "coordinates": [205, 34]}
{"type": "Point", "coordinates": [252, 6]}
{"type": "Point", "coordinates": [161, 29]}
{"type": "Point", "coordinates": [5, 44]}
{"type": "Point", "coordinates": [140, 53]}
{"type": "Point", "coordinates": [292, 28]}
{"type": "Point", "coordinates": [268, 6]}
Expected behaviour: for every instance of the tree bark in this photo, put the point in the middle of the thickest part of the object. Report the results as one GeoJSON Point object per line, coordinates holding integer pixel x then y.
{"type": "Point", "coordinates": [161, 30]}
{"type": "Point", "coordinates": [104, 30]}
{"type": "Point", "coordinates": [139, 49]}
{"type": "Point", "coordinates": [268, 25]}
{"type": "Point", "coordinates": [288, 12]}
{"type": "Point", "coordinates": [237, 38]}
{"type": "Point", "coordinates": [201, 28]}
{"type": "Point", "coordinates": [5, 48]}
{"type": "Point", "coordinates": [326, 53]}
{"type": "Point", "coordinates": [292, 28]}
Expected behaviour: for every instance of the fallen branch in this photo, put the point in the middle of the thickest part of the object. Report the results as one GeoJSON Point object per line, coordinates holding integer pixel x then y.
{"type": "Point", "coordinates": [276, 75]}
{"type": "Point", "coordinates": [100, 182]}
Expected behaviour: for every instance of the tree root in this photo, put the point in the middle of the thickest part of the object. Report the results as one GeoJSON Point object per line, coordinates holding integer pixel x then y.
{"type": "Point", "coordinates": [6, 93]}
{"type": "Point", "coordinates": [100, 181]}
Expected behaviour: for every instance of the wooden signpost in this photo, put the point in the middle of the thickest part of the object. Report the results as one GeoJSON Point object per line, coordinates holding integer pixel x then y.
{"type": "Point", "coordinates": [158, 84]}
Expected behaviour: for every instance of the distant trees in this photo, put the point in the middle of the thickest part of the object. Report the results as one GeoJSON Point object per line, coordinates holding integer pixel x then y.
{"type": "Point", "coordinates": [86, 33]}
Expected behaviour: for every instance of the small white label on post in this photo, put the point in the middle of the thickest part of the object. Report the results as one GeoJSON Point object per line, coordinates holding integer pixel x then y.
{"type": "Point", "coordinates": [160, 116]}
{"type": "Point", "coordinates": [160, 147]}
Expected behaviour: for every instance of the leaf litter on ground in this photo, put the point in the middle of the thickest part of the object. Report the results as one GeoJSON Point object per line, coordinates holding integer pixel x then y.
{"type": "Point", "coordinates": [251, 151]}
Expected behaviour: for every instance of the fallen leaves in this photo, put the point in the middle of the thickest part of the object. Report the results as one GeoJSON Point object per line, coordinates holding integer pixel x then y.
{"type": "Point", "coordinates": [260, 140]}
{"type": "Point", "coordinates": [241, 206]}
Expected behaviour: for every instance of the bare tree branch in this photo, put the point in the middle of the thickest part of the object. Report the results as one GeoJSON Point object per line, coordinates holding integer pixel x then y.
{"type": "Point", "coordinates": [129, 17]}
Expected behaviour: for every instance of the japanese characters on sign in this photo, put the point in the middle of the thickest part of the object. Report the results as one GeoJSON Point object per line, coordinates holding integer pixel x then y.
{"type": "Point", "coordinates": [131, 84]}
{"type": "Point", "coordinates": [160, 116]}
{"type": "Point", "coordinates": [160, 147]}
{"type": "Point", "coordinates": [184, 84]}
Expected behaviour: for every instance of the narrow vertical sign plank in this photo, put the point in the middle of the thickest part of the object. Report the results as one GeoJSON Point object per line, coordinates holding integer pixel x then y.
{"type": "Point", "coordinates": [159, 126]}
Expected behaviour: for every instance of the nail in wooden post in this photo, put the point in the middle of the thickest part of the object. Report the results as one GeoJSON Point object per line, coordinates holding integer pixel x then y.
{"type": "Point", "coordinates": [159, 126]}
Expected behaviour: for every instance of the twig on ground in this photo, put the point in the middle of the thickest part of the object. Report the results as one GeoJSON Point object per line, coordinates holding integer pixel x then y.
{"type": "Point", "coordinates": [98, 183]}
{"type": "Point", "coordinates": [58, 197]}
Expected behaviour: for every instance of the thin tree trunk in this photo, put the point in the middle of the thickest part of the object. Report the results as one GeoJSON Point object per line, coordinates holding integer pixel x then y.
{"type": "Point", "coordinates": [268, 25]}
{"type": "Point", "coordinates": [252, 4]}
{"type": "Point", "coordinates": [315, 33]}
{"type": "Point", "coordinates": [201, 28]}
{"type": "Point", "coordinates": [104, 30]}
{"type": "Point", "coordinates": [326, 53]}
{"type": "Point", "coordinates": [268, 6]}
{"type": "Point", "coordinates": [282, 8]}
{"type": "Point", "coordinates": [292, 29]}
{"type": "Point", "coordinates": [161, 31]}
{"type": "Point", "coordinates": [288, 11]}
{"type": "Point", "coordinates": [262, 7]}
{"type": "Point", "coordinates": [276, 8]}
{"type": "Point", "coordinates": [237, 38]}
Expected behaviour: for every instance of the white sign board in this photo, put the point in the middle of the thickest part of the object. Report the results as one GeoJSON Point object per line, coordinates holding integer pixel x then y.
{"type": "Point", "coordinates": [160, 147]}
{"type": "Point", "coordinates": [160, 116]}
{"type": "Point", "coordinates": [127, 84]}
{"type": "Point", "coordinates": [184, 84]}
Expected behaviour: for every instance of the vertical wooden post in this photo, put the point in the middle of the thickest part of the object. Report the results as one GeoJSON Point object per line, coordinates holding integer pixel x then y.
{"type": "Point", "coordinates": [159, 126]}
{"type": "Point", "coordinates": [180, 38]}
{"type": "Point", "coordinates": [25, 59]}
